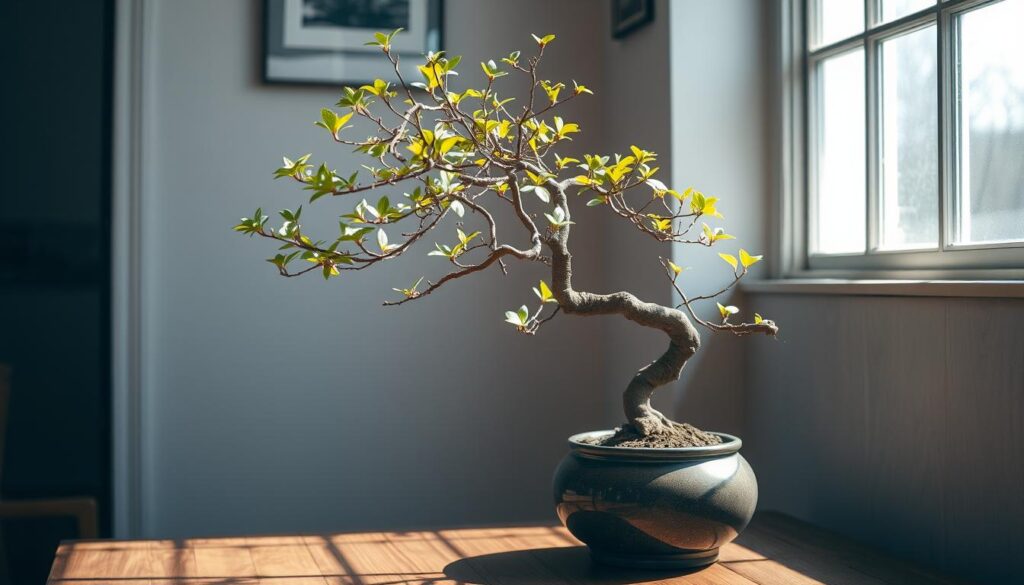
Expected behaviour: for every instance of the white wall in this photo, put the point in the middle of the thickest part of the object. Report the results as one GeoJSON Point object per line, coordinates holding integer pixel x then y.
{"type": "Point", "coordinates": [898, 421]}
{"type": "Point", "coordinates": [693, 87]}
{"type": "Point", "coordinates": [273, 404]}
{"type": "Point", "coordinates": [722, 134]}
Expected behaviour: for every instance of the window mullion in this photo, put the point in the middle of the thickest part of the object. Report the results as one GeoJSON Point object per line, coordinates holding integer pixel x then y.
{"type": "Point", "coordinates": [946, 121]}
{"type": "Point", "coordinates": [871, 130]}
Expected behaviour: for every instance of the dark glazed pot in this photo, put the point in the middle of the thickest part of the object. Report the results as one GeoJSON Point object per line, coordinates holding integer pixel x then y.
{"type": "Point", "coordinates": [654, 508]}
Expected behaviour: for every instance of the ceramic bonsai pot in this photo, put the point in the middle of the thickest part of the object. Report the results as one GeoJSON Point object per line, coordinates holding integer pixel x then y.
{"type": "Point", "coordinates": [654, 508]}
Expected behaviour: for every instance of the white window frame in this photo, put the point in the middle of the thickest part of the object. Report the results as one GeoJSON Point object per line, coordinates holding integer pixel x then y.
{"type": "Point", "coordinates": [1000, 261]}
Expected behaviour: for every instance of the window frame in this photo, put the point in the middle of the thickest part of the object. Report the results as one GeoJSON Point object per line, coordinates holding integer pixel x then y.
{"type": "Point", "coordinates": [1003, 260]}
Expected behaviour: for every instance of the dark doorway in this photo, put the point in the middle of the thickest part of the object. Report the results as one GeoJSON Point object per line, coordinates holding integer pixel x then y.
{"type": "Point", "coordinates": [55, 107]}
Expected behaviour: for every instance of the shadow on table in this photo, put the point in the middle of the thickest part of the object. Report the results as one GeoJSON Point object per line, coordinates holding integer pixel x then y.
{"type": "Point", "coordinates": [544, 566]}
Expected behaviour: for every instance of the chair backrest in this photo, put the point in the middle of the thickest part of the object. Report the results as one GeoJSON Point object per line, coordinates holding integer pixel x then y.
{"type": "Point", "coordinates": [5, 396]}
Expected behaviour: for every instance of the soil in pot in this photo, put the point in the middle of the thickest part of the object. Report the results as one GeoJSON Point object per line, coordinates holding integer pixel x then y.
{"type": "Point", "coordinates": [676, 436]}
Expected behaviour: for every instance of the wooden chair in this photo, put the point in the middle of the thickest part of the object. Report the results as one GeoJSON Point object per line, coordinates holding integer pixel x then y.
{"type": "Point", "coordinates": [82, 509]}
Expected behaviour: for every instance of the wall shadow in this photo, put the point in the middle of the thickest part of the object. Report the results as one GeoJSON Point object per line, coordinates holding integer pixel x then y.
{"type": "Point", "coordinates": [542, 566]}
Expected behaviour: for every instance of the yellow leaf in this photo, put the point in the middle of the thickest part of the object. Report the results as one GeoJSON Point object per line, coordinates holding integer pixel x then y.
{"type": "Point", "coordinates": [730, 259]}
{"type": "Point", "coordinates": [758, 319]}
{"type": "Point", "coordinates": [675, 268]}
{"type": "Point", "coordinates": [339, 122]}
{"type": "Point", "coordinates": [581, 88]}
{"type": "Point", "coordinates": [544, 293]}
{"type": "Point", "coordinates": [416, 147]}
{"type": "Point", "coordinates": [503, 128]}
{"type": "Point", "coordinates": [430, 76]}
{"type": "Point", "coordinates": [747, 260]}
{"type": "Point", "coordinates": [447, 144]}
{"type": "Point", "coordinates": [662, 224]}
{"type": "Point", "coordinates": [561, 163]}
{"type": "Point", "coordinates": [708, 207]}
{"type": "Point", "coordinates": [726, 311]}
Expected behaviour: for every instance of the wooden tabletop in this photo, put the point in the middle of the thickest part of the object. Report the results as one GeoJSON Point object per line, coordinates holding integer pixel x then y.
{"type": "Point", "coordinates": [774, 550]}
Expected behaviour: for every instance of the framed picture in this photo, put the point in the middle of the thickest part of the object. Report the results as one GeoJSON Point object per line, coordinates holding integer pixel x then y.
{"type": "Point", "coordinates": [322, 41]}
{"type": "Point", "coordinates": [629, 15]}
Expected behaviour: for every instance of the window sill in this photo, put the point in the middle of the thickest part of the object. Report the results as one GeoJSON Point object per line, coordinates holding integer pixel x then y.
{"type": "Point", "coordinates": [900, 288]}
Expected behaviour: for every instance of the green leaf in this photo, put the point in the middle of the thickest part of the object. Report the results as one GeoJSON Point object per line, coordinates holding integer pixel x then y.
{"type": "Point", "coordinates": [329, 270]}
{"type": "Point", "coordinates": [491, 69]}
{"type": "Point", "coordinates": [442, 250]}
{"type": "Point", "coordinates": [332, 121]}
{"type": "Point", "coordinates": [463, 238]}
{"type": "Point", "coordinates": [292, 168]}
{"type": "Point", "coordinates": [558, 218]}
{"type": "Point", "coordinates": [329, 118]}
{"type": "Point", "coordinates": [382, 40]}
{"type": "Point", "coordinates": [542, 41]}
{"type": "Point", "coordinates": [410, 292]}
{"type": "Point", "coordinates": [518, 318]}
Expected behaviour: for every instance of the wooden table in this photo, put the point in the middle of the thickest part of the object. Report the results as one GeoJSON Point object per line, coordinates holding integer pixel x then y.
{"type": "Point", "coordinates": [774, 550]}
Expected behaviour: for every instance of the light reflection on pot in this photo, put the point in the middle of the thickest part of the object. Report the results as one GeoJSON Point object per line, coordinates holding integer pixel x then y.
{"type": "Point", "coordinates": [657, 508]}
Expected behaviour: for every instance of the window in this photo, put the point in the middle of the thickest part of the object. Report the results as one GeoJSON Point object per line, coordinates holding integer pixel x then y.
{"type": "Point", "coordinates": [913, 135]}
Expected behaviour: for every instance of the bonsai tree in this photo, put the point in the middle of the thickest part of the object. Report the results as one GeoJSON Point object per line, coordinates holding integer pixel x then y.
{"type": "Point", "coordinates": [460, 154]}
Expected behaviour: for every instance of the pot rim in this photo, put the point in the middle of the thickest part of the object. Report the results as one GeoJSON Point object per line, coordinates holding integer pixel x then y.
{"type": "Point", "coordinates": [730, 444]}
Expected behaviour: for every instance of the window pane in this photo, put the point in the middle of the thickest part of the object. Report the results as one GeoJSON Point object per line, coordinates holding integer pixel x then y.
{"type": "Point", "coordinates": [893, 9]}
{"type": "Point", "coordinates": [991, 133]}
{"type": "Point", "coordinates": [837, 20]}
{"type": "Point", "coordinates": [841, 199]}
{"type": "Point", "coordinates": [909, 169]}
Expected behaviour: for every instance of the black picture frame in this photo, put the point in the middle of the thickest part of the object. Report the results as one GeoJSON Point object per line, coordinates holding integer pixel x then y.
{"type": "Point", "coordinates": [630, 15]}
{"type": "Point", "coordinates": [281, 65]}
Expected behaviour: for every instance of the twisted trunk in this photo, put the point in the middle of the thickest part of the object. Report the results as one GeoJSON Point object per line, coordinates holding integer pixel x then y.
{"type": "Point", "coordinates": [683, 337]}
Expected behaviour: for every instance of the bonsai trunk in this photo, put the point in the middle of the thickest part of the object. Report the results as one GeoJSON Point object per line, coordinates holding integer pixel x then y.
{"type": "Point", "coordinates": [684, 341]}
